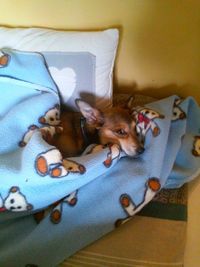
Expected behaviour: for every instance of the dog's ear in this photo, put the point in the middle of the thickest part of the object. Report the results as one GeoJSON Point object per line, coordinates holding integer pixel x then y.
{"type": "Point", "coordinates": [92, 115]}
{"type": "Point", "coordinates": [128, 103]}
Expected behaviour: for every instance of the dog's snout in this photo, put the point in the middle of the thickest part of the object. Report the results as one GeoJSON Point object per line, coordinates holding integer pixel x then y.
{"type": "Point", "coordinates": [140, 150]}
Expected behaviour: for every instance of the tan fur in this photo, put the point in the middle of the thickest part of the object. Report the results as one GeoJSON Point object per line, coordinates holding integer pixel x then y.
{"type": "Point", "coordinates": [70, 141]}
{"type": "Point", "coordinates": [117, 119]}
{"type": "Point", "coordinates": [116, 126]}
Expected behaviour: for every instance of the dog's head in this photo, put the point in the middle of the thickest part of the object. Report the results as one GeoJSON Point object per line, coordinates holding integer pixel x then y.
{"type": "Point", "coordinates": [116, 126]}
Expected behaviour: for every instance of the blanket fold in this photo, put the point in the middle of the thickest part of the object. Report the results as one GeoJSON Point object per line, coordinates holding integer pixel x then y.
{"type": "Point", "coordinates": [50, 207]}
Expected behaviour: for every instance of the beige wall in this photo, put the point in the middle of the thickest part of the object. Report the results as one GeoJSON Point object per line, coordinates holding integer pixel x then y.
{"type": "Point", "coordinates": [159, 51]}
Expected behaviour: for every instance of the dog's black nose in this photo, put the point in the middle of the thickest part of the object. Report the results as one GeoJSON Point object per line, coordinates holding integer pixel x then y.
{"type": "Point", "coordinates": [140, 150]}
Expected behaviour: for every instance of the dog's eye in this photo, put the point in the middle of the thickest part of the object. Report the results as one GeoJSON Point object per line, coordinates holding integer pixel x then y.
{"type": "Point", "coordinates": [121, 132]}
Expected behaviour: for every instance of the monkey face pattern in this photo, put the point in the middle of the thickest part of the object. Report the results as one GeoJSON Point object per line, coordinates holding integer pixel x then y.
{"type": "Point", "coordinates": [145, 121]}
{"type": "Point", "coordinates": [178, 113]}
{"type": "Point", "coordinates": [51, 117]}
{"type": "Point", "coordinates": [196, 146]}
{"type": "Point", "coordinates": [16, 201]}
{"type": "Point", "coordinates": [150, 113]}
{"type": "Point", "coordinates": [50, 120]}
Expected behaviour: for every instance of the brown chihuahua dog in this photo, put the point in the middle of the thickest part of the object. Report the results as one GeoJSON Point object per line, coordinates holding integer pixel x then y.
{"type": "Point", "coordinates": [114, 126]}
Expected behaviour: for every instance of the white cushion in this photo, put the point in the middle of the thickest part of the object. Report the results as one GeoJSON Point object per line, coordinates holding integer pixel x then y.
{"type": "Point", "coordinates": [102, 44]}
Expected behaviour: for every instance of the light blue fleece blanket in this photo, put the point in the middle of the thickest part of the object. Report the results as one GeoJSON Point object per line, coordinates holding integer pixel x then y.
{"type": "Point", "coordinates": [51, 207]}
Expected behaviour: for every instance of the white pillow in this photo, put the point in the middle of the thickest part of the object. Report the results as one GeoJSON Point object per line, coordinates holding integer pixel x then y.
{"type": "Point", "coordinates": [102, 44]}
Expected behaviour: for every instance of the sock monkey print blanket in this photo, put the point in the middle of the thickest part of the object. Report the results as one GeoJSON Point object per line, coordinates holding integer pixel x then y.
{"type": "Point", "coordinates": [51, 207]}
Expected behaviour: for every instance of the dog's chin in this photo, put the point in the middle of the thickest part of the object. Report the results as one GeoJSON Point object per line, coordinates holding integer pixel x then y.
{"type": "Point", "coordinates": [131, 154]}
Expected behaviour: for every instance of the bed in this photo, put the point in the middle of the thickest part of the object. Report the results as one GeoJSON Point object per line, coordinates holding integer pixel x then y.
{"type": "Point", "coordinates": [49, 212]}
